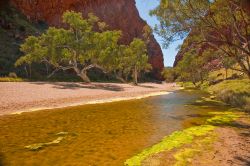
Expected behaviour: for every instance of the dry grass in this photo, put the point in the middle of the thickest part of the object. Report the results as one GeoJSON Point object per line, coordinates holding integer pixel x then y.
{"type": "Point", "coordinates": [233, 92]}
{"type": "Point", "coordinates": [10, 79]}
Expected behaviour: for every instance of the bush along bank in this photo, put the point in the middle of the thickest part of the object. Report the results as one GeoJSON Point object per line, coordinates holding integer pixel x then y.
{"type": "Point", "coordinates": [233, 92]}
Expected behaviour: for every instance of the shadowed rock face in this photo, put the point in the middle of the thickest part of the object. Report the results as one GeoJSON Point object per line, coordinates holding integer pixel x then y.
{"type": "Point", "coordinates": [3, 3]}
{"type": "Point", "coordinates": [118, 14]}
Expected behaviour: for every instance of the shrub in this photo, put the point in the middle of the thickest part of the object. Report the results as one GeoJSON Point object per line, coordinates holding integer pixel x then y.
{"type": "Point", "coordinates": [231, 97]}
{"type": "Point", "coordinates": [9, 79]}
{"type": "Point", "coordinates": [233, 92]}
{"type": "Point", "coordinates": [247, 105]}
{"type": "Point", "coordinates": [12, 75]}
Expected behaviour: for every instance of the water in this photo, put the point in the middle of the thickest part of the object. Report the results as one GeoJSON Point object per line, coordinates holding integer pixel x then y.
{"type": "Point", "coordinates": [101, 134]}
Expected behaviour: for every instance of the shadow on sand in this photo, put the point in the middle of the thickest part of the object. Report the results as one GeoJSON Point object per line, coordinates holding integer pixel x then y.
{"type": "Point", "coordinates": [245, 134]}
{"type": "Point", "coordinates": [146, 86]}
{"type": "Point", "coordinates": [243, 160]}
{"type": "Point", "coordinates": [65, 85]}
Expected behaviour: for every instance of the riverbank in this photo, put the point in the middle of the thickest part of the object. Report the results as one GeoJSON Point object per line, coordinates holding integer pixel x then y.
{"type": "Point", "coordinates": [222, 140]}
{"type": "Point", "coordinates": [233, 92]}
{"type": "Point", "coordinates": [31, 96]}
{"type": "Point", "coordinates": [182, 128]}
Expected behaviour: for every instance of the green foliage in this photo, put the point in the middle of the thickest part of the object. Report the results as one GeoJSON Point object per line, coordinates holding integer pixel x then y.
{"type": "Point", "coordinates": [233, 92]}
{"type": "Point", "coordinates": [169, 74]}
{"type": "Point", "coordinates": [205, 24]}
{"type": "Point", "coordinates": [186, 84]}
{"type": "Point", "coordinates": [81, 48]}
{"type": "Point", "coordinates": [138, 58]}
{"type": "Point", "coordinates": [220, 75]}
{"type": "Point", "coordinates": [177, 19]}
{"type": "Point", "coordinates": [228, 62]}
{"type": "Point", "coordinates": [78, 48]}
{"type": "Point", "coordinates": [237, 86]}
{"type": "Point", "coordinates": [33, 50]}
{"type": "Point", "coordinates": [130, 59]}
{"type": "Point", "coordinates": [191, 68]}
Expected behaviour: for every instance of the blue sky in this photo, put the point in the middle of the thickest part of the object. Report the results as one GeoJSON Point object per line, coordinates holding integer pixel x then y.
{"type": "Point", "coordinates": [144, 6]}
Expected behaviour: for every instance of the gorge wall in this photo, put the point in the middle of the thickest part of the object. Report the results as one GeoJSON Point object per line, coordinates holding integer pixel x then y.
{"type": "Point", "coordinates": [118, 14]}
{"type": "Point", "coordinates": [186, 46]}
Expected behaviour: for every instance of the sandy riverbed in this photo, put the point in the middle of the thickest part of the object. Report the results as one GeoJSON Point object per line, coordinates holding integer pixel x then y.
{"type": "Point", "coordinates": [30, 96]}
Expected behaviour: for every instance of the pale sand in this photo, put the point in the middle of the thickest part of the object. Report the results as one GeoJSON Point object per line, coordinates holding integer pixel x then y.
{"type": "Point", "coordinates": [33, 96]}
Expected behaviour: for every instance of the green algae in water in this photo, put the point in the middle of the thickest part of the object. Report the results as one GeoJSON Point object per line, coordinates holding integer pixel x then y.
{"type": "Point", "coordinates": [222, 118]}
{"type": "Point", "coordinates": [175, 140]}
{"type": "Point", "coordinates": [180, 138]}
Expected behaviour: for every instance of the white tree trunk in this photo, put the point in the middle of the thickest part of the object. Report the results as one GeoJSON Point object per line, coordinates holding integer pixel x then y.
{"type": "Point", "coordinates": [84, 77]}
{"type": "Point", "coordinates": [135, 76]}
{"type": "Point", "coordinates": [82, 74]}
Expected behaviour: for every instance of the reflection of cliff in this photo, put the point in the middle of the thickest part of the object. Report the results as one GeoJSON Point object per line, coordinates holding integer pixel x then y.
{"type": "Point", "coordinates": [118, 14]}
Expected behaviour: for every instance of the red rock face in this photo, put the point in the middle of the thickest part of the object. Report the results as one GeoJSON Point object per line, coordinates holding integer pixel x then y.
{"type": "Point", "coordinates": [118, 14]}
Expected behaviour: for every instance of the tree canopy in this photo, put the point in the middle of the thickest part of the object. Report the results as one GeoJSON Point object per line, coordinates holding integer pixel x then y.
{"type": "Point", "coordinates": [223, 25]}
{"type": "Point", "coordinates": [83, 45]}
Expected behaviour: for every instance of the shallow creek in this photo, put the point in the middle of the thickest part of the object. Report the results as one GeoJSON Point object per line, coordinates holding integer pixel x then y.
{"type": "Point", "coordinates": [98, 134]}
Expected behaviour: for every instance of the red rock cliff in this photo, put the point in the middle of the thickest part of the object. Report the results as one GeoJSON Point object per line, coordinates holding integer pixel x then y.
{"type": "Point", "coordinates": [118, 14]}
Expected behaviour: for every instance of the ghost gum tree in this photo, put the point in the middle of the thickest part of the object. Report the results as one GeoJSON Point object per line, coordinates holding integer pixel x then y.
{"type": "Point", "coordinates": [138, 58]}
{"type": "Point", "coordinates": [223, 25]}
{"type": "Point", "coordinates": [128, 60]}
{"type": "Point", "coordinates": [191, 67]}
{"type": "Point", "coordinates": [84, 45]}
{"type": "Point", "coordinates": [78, 48]}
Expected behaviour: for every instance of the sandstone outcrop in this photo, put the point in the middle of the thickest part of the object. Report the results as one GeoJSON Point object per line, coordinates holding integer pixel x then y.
{"type": "Point", "coordinates": [118, 14]}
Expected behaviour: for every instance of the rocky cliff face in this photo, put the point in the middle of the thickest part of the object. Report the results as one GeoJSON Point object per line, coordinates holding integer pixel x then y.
{"type": "Point", "coordinates": [118, 14]}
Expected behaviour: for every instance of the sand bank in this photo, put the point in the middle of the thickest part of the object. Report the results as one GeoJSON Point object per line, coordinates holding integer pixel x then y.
{"type": "Point", "coordinates": [33, 96]}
